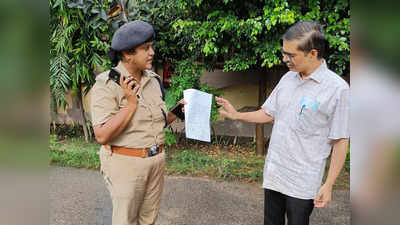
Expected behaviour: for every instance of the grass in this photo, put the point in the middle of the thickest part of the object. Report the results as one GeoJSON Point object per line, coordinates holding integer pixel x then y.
{"type": "Point", "coordinates": [221, 165]}
{"type": "Point", "coordinates": [74, 152]}
{"type": "Point", "coordinates": [224, 163]}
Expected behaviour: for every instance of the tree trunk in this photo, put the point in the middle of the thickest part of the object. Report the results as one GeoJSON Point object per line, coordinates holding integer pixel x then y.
{"type": "Point", "coordinates": [260, 127]}
{"type": "Point", "coordinates": [82, 112]}
{"type": "Point", "coordinates": [53, 108]}
{"type": "Point", "coordinates": [260, 138]}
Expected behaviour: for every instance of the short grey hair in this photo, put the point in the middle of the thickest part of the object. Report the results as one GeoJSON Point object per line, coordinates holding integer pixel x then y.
{"type": "Point", "coordinates": [310, 34]}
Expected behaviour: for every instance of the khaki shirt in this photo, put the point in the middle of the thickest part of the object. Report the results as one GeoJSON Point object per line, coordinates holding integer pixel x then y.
{"type": "Point", "coordinates": [146, 127]}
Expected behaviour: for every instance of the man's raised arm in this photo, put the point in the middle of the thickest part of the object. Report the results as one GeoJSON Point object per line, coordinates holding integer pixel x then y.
{"type": "Point", "coordinates": [227, 110]}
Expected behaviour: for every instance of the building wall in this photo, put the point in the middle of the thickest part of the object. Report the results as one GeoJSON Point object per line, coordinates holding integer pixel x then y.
{"type": "Point", "coordinates": [71, 114]}
{"type": "Point", "coordinates": [241, 96]}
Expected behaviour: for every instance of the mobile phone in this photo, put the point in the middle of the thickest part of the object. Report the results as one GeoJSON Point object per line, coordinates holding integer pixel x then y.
{"type": "Point", "coordinates": [177, 110]}
{"type": "Point", "coordinates": [115, 76]}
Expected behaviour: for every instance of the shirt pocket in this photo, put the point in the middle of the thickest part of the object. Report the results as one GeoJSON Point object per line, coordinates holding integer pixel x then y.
{"type": "Point", "coordinates": [141, 120]}
{"type": "Point", "coordinates": [142, 113]}
{"type": "Point", "coordinates": [309, 121]}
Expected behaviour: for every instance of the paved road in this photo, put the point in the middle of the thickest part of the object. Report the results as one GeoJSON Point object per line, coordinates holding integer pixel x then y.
{"type": "Point", "coordinates": [79, 197]}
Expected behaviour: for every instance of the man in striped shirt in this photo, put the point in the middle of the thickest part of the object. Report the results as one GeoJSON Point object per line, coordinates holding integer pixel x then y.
{"type": "Point", "coordinates": [310, 111]}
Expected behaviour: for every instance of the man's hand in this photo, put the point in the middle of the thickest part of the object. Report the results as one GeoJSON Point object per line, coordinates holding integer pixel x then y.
{"type": "Point", "coordinates": [130, 94]}
{"type": "Point", "coordinates": [227, 109]}
{"type": "Point", "coordinates": [338, 157]}
{"type": "Point", "coordinates": [324, 196]}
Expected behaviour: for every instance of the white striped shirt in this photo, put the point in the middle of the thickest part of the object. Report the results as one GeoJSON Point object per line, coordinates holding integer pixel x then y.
{"type": "Point", "coordinates": [308, 114]}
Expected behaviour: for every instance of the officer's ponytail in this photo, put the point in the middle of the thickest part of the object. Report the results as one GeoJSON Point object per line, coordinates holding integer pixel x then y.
{"type": "Point", "coordinates": [114, 56]}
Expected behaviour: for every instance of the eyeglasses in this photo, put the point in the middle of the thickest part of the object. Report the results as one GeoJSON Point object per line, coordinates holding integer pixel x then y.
{"type": "Point", "coordinates": [289, 55]}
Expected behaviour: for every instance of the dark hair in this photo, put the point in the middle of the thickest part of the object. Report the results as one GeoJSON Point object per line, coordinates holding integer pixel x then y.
{"type": "Point", "coordinates": [311, 35]}
{"type": "Point", "coordinates": [114, 56]}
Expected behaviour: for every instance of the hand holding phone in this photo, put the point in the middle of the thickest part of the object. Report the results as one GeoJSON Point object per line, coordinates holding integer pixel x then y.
{"type": "Point", "coordinates": [115, 75]}
{"type": "Point", "coordinates": [177, 110]}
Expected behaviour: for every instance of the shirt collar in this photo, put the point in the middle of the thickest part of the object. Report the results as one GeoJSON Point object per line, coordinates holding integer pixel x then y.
{"type": "Point", "coordinates": [145, 75]}
{"type": "Point", "coordinates": [121, 68]}
{"type": "Point", "coordinates": [317, 75]}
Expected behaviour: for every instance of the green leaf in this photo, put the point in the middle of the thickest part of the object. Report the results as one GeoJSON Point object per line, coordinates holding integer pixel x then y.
{"type": "Point", "coordinates": [95, 11]}
{"type": "Point", "coordinates": [103, 15]}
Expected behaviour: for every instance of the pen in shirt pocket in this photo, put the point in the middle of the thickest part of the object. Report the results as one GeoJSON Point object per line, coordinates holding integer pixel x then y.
{"type": "Point", "coordinates": [301, 110]}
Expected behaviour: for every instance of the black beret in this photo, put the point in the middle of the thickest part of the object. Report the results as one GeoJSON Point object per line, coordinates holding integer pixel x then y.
{"type": "Point", "coordinates": [131, 35]}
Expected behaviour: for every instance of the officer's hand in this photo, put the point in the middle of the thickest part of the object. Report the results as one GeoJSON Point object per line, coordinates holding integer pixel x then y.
{"type": "Point", "coordinates": [227, 109]}
{"type": "Point", "coordinates": [130, 94]}
{"type": "Point", "coordinates": [323, 197]}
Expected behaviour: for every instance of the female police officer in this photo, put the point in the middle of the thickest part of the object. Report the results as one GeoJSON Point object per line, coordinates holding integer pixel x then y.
{"type": "Point", "coordinates": [129, 123]}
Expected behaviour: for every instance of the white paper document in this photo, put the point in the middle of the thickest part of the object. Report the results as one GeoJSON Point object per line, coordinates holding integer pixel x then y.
{"type": "Point", "coordinates": [197, 114]}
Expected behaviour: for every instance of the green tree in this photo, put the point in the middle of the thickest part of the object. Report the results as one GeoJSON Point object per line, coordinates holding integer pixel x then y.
{"type": "Point", "coordinates": [195, 35]}
{"type": "Point", "coordinates": [246, 34]}
{"type": "Point", "coordinates": [78, 42]}
{"type": "Point", "coordinates": [240, 35]}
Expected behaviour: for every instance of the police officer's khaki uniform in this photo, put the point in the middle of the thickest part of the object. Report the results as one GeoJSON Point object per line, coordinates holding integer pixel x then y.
{"type": "Point", "coordinates": [135, 183]}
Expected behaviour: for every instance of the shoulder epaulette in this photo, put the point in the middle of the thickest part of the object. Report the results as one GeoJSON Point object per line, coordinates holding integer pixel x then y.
{"type": "Point", "coordinates": [153, 74]}
{"type": "Point", "coordinates": [103, 77]}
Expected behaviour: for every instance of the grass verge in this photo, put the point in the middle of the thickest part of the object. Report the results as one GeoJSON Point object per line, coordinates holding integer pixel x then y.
{"type": "Point", "coordinates": [74, 152]}
{"type": "Point", "coordinates": [205, 161]}
{"type": "Point", "coordinates": [221, 165]}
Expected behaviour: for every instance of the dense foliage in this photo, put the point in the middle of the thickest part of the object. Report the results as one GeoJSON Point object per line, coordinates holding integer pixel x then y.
{"type": "Point", "coordinates": [79, 38]}
{"type": "Point", "coordinates": [245, 34]}
{"type": "Point", "coordinates": [194, 35]}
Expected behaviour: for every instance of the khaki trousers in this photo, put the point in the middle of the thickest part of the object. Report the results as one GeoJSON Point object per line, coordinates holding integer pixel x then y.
{"type": "Point", "coordinates": [135, 185]}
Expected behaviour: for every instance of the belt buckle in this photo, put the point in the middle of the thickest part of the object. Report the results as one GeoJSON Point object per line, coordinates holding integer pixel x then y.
{"type": "Point", "coordinates": [152, 151]}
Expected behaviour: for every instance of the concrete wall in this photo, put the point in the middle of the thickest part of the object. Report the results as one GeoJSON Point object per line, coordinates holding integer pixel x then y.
{"type": "Point", "coordinates": [71, 115]}
{"type": "Point", "coordinates": [241, 96]}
